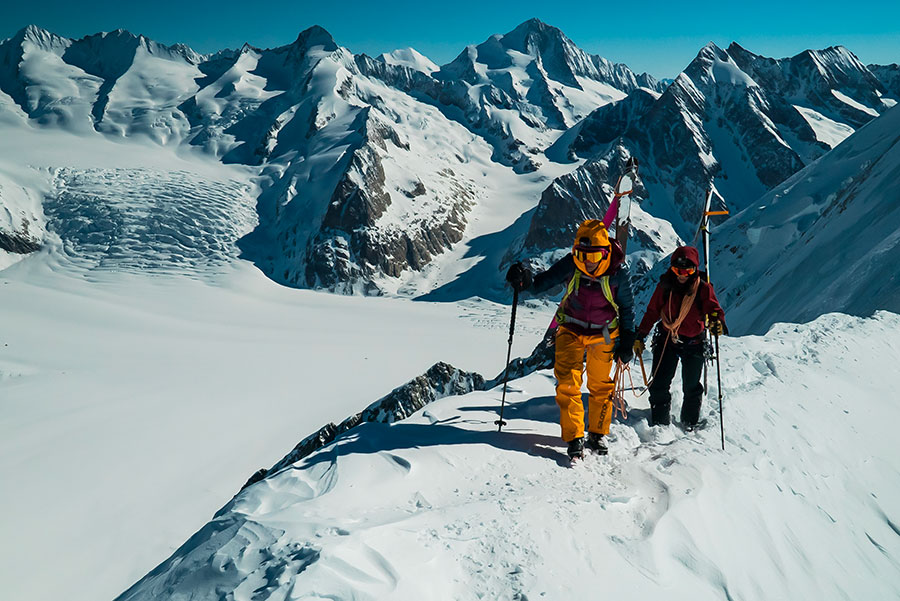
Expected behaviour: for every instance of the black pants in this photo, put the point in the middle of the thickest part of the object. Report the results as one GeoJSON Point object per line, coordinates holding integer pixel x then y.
{"type": "Point", "coordinates": [665, 360]}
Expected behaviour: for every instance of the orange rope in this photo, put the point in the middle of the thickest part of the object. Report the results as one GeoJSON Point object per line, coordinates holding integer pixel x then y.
{"type": "Point", "coordinates": [618, 393]}
{"type": "Point", "coordinates": [673, 325]}
{"type": "Point", "coordinates": [653, 375]}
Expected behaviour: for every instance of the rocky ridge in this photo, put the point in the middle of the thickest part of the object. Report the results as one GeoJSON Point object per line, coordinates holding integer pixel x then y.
{"type": "Point", "coordinates": [441, 380]}
{"type": "Point", "coordinates": [733, 118]}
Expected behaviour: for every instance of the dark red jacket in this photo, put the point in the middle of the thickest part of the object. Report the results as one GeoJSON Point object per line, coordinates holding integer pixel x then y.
{"type": "Point", "coordinates": [667, 299]}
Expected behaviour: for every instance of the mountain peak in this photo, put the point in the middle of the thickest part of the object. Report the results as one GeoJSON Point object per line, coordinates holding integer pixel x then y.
{"type": "Point", "coordinates": [532, 32]}
{"type": "Point", "coordinates": [316, 36]}
{"type": "Point", "coordinates": [409, 57]}
{"type": "Point", "coordinates": [736, 49]}
{"type": "Point", "coordinates": [34, 31]}
{"type": "Point", "coordinates": [837, 55]}
{"type": "Point", "coordinates": [712, 50]}
{"type": "Point", "coordinates": [39, 36]}
{"type": "Point", "coordinates": [535, 24]}
{"type": "Point", "coordinates": [714, 66]}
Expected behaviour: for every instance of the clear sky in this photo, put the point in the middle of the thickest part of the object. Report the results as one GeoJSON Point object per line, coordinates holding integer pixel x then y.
{"type": "Point", "coordinates": [654, 36]}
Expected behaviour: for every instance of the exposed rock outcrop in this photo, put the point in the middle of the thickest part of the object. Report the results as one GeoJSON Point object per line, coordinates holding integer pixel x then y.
{"type": "Point", "coordinates": [440, 381]}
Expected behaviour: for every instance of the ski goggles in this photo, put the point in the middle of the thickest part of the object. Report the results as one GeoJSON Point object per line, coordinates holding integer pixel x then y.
{"type": "Point", "coordinates": [590, 254]}
{"type": "Point", "coordinates": [684, 270]}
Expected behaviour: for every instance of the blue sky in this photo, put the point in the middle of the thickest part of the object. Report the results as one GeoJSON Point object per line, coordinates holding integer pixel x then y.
{"type": "Point", "coordinates": [658, 37]}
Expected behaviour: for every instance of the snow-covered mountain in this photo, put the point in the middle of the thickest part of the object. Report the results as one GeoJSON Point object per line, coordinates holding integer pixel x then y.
{"type": "Point", "coordinates": [117, 83]}
{"type": "Point", "coordinates": [146, 356]}
{"type": "Point", "coordinates": [370, 169]}
{"type": "Point", "coordinates": [827, 239]}
{"type": "Point", "coordinates": [536, 65]}
{"type": "Point", "coordinates": [409, 57]}
{"type": "Point", "coordinates": [889, 75]}
{"type": "Point", "coordinates": [733, 118]}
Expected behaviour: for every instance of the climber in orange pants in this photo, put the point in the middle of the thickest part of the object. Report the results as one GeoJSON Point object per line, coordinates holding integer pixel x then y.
{"type": "Point", "coordinates": [570, 351]}
{"type": "Point", "coordinates": [596, 319]}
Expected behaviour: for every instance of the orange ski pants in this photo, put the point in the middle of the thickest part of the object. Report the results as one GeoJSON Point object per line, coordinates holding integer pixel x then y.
{"type": "Point", "coordinates": [570, 360]}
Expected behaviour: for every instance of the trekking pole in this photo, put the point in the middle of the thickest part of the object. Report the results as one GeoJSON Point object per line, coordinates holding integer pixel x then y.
{"type": "Point", "coordinates": [512, 326]}
{"type": "Point", "coordinates": [719, 376]}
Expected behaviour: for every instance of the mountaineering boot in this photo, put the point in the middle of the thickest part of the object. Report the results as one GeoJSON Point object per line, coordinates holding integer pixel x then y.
{"type": "Point", "coordinates": [659, 414]}
{"type": "Point", "coordinates": [597, 443]}
{"type": "Point", "coordinates": [576, 449]}
{"type": "Point", "coordinates": [697, 426]}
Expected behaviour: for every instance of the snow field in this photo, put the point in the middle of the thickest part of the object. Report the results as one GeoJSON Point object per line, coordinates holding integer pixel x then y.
{"type": "Point", "coordinates": [146, 372]}
{"type": "Point", "coordinates": [133, 406]}
{"type": "Point", "coordinates": [440, 506]}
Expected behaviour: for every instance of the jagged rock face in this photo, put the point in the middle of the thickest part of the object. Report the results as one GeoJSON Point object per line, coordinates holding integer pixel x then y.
{"type": "Point", "coordinates": [20, 243]}
{"type": "Point", "coordinates": [889, 76]}
{"type": "Point", "coordinates": [739, 120]}
{"type": "Point", "coordinates": [374, 223]}
{"type": "Point", "coordinates": [571, 199]}
{"type": "Point", "coordinates": [606, 124]}
{"type": "Point", "coordinates": [22, 224]}
{"type": "Point", "coordinates": [812, 76]}
{"type": "Point", "coordinates": [351, 247]}
{"type": "Point", "coordinates": [441, 380]}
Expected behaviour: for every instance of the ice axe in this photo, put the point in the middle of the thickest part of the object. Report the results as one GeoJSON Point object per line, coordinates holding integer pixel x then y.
{"type": "Point", "coordinates": [703, 231]}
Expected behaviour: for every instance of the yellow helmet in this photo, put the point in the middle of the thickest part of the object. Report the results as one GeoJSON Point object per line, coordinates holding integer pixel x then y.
{"type": "Point", "coordinates": [592, 246]}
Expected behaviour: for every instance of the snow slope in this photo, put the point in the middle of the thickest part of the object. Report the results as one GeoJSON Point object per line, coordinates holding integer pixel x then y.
{"type": "Point", "coordinates": [146, 371]}
{"type": "Point", "coordinates": [410, 57]}
{"type": "Point", "coordinates": [802, 504]}
{"type": "Point", "coordinates": [827, 239]}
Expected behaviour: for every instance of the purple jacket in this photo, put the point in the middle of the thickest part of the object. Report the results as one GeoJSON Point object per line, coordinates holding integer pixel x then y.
{"type": "Point", "coordinates": [588, 304]}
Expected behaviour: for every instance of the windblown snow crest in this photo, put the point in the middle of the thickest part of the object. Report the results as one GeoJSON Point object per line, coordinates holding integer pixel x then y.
{"type": "Point", "coordinates": [662, 512]}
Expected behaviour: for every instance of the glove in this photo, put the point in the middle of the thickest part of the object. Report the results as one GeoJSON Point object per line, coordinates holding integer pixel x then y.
{"type": "Point", "coordinates": [519, 277]}
{"type": "Point", "coordinates": [639, 346]}
{"type": "Point", "coordinates": [624, 351]}
{"type": "Point", "coordinates": [716, 325]}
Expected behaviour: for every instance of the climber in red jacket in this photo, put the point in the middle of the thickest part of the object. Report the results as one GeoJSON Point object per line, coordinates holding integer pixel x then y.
{"type": "Point", "coordinates": [682, 302]}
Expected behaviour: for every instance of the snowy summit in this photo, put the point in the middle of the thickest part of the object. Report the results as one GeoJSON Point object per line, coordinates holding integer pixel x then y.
{"type": "Point", "coordinates": [258, 305]}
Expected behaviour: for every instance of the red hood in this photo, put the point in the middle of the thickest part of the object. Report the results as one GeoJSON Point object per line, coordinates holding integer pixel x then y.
{"type": "Point", "coordinates": [688, 252]}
